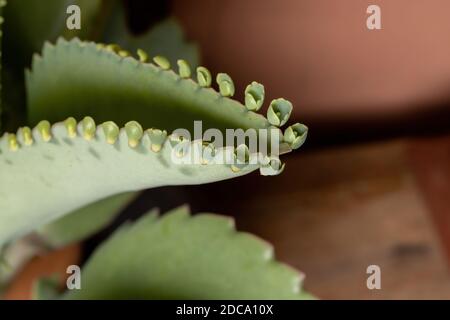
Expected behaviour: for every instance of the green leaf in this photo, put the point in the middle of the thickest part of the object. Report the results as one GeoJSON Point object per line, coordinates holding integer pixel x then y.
{"type": "Point", "coordinates": [46, 288]}
{"type": "Point", "coordinates": [64, 167]}
{"type": "Point", "coordinates": [166, 38]}
{"type": "Point", "coordinates": [32, 22]}
{"type": "Point", "coordinates": [182, 257]}
{"type": "Point", "coordinates": [28, 24]}
{"type": "Point", "coordinates": [90, 80]}
{"type": "Point", "coordinates": [79, 225]}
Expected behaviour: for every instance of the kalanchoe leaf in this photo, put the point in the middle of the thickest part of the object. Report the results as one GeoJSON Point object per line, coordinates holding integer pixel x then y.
{"type": "Point", "coordinates": [80, 224]}
{"type": "Point", "coordinates": [165, 38]}
{"type": "Point", "coordinates": [111, 88]}
{"type": "Point", "coordinates": [296, 135]}
{"type": "Point", "coordinates": [204, 78]}
{"type": "Point", "coordinates": [59, 174]}
{"type": "Point", "coordinates": [279, 112]}
{"type": "Point", "coordinates": [46, 288]}
{"type": "Point", "coordinates": [184, 69]}
{"type": "Point", "coordinates": [254, 96]}
{"type": "Point", "coordinates": [67, 155]}
{"type": "Point", "coordinates": [226, 85]}
{"type": "Point", "coordinates": [186, 257]}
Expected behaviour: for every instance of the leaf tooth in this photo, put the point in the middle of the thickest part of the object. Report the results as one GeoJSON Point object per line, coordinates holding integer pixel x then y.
{"type": "Point", "coordinates": [71, 127]}
{"type": "Point", "coordinates": [279, 112]}
{"type": "Point", "coordinates": [295, 135]}
{"type": "Point", "coordinates": [134, 132]}
{"type": "Point", "coordinates": [75, 40]}
{"type": "Point", "coordinates": [162, 62]}
{"type": "Point", "coordinates": [61, 41]}
{"type": "Point", "coordinates": [204, 78]}
{"type": "Point", "coordinates": [88, 128]}
{"type": "Point", "coordinates": [48, 47]}
{"type": "Point", "coordinates": [111, 131]}
{"type": "Point", "coordinates": [226, 84]}
{"type": "Point", "coordinates": [157, 138]}
{"type": "Point", "coordinates": [13, 144]}
{"type": "Point", "coordinates": [143, 57]}
{"type": "Point", "coordinates": [36, 59]}
{"type": "Point", "coordinates": [44, 129]}
{"type": "Point", "coordinates": [27, 137]}
{"type": "Point", "coordinates": [254, 96]}
{"type": "Point", "coordinates": [184, 69]}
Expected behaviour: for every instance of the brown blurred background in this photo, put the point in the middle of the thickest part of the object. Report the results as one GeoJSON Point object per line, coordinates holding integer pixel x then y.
{"type": "Point", "coordinates": [344, 80]}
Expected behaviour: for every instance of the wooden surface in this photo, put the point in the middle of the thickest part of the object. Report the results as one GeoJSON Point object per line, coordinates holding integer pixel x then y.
{"type": "Point", "coordinates": [431, 161]}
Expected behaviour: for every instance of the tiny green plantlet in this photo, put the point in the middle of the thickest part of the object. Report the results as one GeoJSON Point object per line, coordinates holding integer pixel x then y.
{"type": "Point", "coordinates": [102, 125]}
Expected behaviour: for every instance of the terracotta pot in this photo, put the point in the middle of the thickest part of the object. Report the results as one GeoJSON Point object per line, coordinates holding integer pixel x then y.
{"type": "Point", "coordinates": [321, 55]}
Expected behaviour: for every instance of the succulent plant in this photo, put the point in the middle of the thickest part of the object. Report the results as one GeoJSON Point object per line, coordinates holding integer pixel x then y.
{"type": "Point", "coordinates": [100, 128]}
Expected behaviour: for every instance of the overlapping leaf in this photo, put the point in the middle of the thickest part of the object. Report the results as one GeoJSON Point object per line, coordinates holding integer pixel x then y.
{"type": "Point", "coordinates": [182, 257]}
